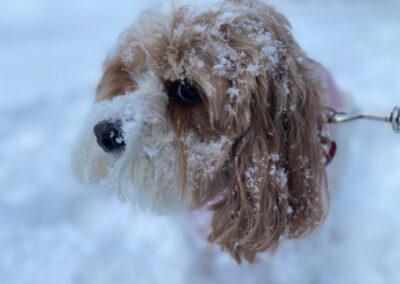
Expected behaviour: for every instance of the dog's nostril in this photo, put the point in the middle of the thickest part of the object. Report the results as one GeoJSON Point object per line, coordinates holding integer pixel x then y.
{"type": "Point", "coordinates": [107, 143]}
{"type": "Point", "coordinates": [109, 136]}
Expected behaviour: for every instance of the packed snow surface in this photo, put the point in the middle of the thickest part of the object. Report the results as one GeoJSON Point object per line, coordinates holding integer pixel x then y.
{"type": "Point", "coordinates": [54, 230]}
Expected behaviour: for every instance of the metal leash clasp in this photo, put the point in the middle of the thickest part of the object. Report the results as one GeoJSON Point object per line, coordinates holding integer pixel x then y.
{"type": "Point", "coordinates": [335, 116]}
{"type": "Point", "coordinates": [395, 119]}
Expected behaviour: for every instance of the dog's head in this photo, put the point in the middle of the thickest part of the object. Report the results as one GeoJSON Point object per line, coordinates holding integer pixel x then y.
{"type": "Point", "coordinates": [212, 104]}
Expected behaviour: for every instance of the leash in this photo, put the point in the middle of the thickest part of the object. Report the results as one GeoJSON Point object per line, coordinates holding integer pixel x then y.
{"type": "Point", "coordinates": [335, 116]}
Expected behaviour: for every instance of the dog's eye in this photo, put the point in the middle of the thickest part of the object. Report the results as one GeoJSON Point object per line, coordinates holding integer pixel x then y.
{"type": "Point", "coordinates": [184, 93]}
{"type": "Point", "coordinates": [187, 94]}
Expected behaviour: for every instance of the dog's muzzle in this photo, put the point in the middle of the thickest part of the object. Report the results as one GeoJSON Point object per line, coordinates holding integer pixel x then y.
{"type": "Point", "coordinates": [109, 136]}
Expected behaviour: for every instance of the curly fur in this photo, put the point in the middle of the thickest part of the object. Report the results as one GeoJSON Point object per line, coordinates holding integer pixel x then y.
{"type": "Point", "coordinates": [258, 119]}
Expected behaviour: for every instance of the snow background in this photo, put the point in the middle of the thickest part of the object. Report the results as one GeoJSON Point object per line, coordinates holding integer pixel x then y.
{"type": "Point", "coordinates": [52, 230]}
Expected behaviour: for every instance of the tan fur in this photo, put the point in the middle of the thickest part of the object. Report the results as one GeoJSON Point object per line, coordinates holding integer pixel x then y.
{"type": "Point", "coordinates": [271, 124]}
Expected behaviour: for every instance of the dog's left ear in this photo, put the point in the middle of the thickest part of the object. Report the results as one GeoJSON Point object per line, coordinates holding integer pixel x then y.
{"type": "Point", "coordinates": [277, 178]}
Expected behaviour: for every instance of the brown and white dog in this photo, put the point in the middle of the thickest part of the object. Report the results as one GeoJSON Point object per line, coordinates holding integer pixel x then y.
{"type": "Point", "coordinates": [213, 105]}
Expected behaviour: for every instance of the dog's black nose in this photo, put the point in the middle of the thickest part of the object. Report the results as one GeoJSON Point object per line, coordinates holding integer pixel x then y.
{"type": "Point", "coordinates": [109, 136]}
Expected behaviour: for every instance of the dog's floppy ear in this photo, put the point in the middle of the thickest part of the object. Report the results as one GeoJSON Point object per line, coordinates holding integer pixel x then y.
{"type": "Point", "coordinates": [277, 180]}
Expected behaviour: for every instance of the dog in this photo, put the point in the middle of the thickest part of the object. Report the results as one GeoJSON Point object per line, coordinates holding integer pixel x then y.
{"type": "Point", "coordinates": [219, 107]}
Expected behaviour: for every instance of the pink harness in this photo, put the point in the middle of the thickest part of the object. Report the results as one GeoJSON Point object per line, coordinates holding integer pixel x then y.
{"type": "Point", "coordinates": [334, 98]}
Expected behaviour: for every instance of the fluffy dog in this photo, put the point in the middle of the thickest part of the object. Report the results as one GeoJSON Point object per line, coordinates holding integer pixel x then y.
{"type": "Point", "coordinates": [215, 106]}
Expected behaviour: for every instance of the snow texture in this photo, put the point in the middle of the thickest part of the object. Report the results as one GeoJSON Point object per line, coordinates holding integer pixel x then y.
{"type": "Point", "coordinates": [55, 231]}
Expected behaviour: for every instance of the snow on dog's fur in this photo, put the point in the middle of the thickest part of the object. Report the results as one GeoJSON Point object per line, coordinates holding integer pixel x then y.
{"type": "Point", "coordinates": [250, 141]}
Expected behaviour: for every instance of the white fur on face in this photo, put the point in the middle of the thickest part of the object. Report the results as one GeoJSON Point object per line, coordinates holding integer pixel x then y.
{"type": "Point", "coordinates": [148, 172]}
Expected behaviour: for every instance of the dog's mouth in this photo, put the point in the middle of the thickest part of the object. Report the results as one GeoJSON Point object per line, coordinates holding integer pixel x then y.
{"type": "Point", "coordinates": [109, 136]}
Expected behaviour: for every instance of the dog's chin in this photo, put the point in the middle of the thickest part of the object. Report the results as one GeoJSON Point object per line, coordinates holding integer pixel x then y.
{"type": "Point", "coordinates": [148, 172]}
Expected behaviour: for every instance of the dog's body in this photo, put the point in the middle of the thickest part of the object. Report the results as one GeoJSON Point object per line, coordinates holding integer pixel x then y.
{"type": "Point", "coordinates": [215, 105]}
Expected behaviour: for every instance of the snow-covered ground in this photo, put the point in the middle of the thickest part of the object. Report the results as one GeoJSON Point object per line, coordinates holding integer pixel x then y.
{"type": "Point", "coordinates": [53, 230]}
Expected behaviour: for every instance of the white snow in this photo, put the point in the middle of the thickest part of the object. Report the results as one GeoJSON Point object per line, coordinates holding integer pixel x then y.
{"type": "Point", "coordinates": [203, 157]}
{"type": "Point", "coordinates": [234, 94]}
{"type": "Point", "coordinates": [274, 157]}
{"type": "Point", "coordinates": [53, 230]}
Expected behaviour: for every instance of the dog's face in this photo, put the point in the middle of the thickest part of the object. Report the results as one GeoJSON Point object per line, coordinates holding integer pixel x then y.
{"type": "Point", "coordinates": [209, 104]}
